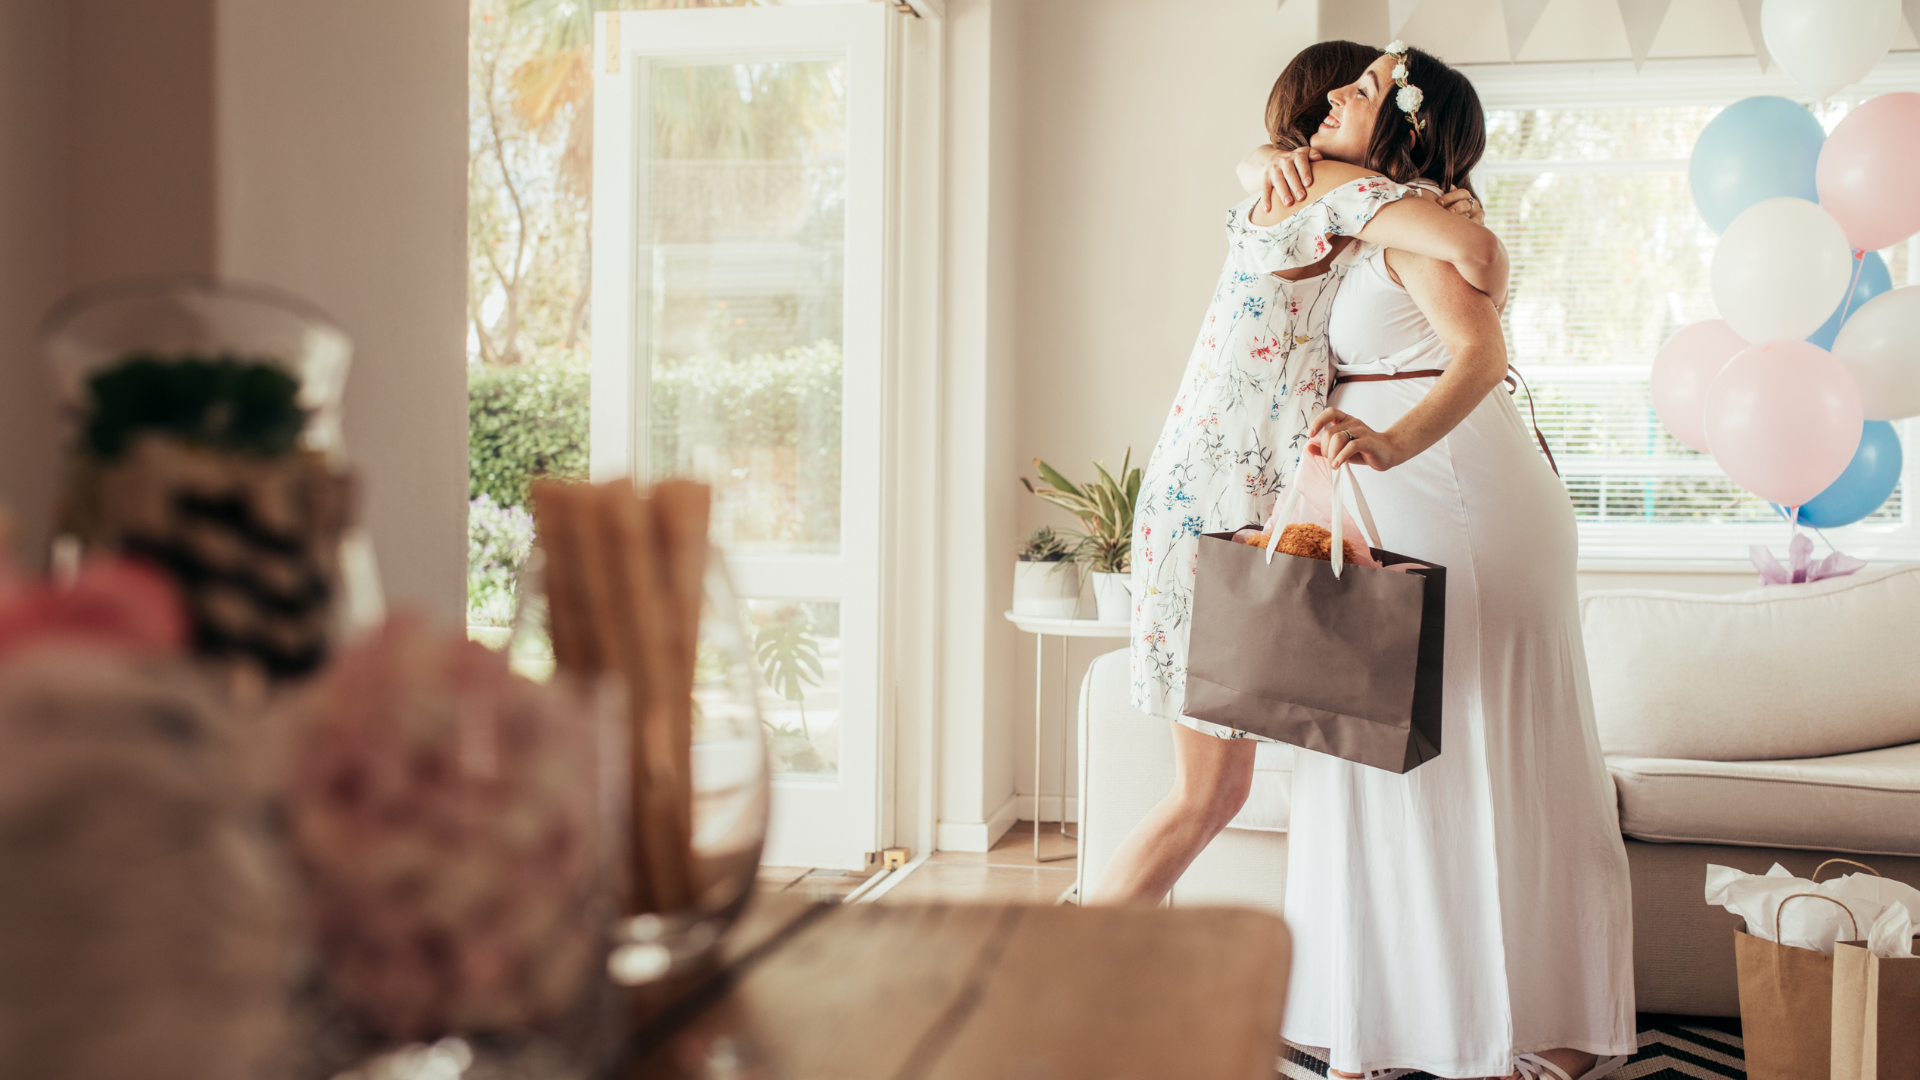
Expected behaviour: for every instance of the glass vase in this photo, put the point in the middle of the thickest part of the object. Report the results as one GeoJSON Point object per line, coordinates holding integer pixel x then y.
{"type": "Point", "coordinates": [731, 782]}
{"type": "Point", "coordinates": [206, 439]}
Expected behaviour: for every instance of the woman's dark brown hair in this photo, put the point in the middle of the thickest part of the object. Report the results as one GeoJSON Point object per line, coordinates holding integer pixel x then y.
{"type": "Point", "coordinates": [1299, 99]}
{"type": "Point", "coordinates": [1447, 148]}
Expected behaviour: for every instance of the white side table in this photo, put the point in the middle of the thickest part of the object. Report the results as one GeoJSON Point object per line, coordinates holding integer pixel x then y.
{"type": "Point", "coordinates": [1041, 627]}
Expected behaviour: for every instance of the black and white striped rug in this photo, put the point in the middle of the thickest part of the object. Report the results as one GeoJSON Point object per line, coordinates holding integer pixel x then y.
{"type": "Point", "coordinates": [1671, 1048]}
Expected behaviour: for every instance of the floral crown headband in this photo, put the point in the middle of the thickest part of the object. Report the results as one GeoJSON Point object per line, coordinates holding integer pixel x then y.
{"type": "Point", "coordinates": [1409, 97]}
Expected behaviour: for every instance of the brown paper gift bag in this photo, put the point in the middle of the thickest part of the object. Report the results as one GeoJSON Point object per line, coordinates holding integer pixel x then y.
{"type": "Point", "coordinates": [1786, 1003]}
{"type": "Point", "coordinates": [1345, 660]}
{"type": "Point", "coordinates": [1876, 1015]}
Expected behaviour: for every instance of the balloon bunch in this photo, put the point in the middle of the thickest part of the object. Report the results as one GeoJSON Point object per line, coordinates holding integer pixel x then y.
{"type": "Point", "coordinates": [1792, 389]}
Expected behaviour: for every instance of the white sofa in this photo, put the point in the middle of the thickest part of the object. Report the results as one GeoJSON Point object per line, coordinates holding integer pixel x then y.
{"type": "Point", "coordinates": [1776, 725]}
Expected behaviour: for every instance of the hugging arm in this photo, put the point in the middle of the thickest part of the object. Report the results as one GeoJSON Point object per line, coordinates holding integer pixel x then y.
{"type": "Point", "coordinates": [1447, 228]}
{"type": "Point", "coordinates": [1469, 327]}
{"type": "Point", "coordinates": [1420, 226]}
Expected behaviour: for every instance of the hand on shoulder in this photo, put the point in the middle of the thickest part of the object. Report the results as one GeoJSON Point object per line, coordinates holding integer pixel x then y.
{"type": "Point", "coordinates": [1313, 179]}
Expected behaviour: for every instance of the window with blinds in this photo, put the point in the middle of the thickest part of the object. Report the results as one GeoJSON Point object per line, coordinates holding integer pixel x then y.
{"type": "Point", "coordinates": [1609, 259]}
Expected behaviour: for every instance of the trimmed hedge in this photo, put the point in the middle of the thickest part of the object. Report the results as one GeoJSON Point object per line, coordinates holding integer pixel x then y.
{"type": "Point", "coordinates": [772, 422]}
{"type": "Point", "coordinates": [530, 420]}
{"type": "Point", "coordinates": [523, 422]}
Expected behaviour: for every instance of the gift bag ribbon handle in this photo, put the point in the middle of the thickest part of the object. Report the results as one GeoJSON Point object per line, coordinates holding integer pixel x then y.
{"type": "Point", "coordinates": [1855, 923]}
{"type": "Point", "coordinates": [1343, 479]}
{"type": "Point", "coordinates": [1849, 862]}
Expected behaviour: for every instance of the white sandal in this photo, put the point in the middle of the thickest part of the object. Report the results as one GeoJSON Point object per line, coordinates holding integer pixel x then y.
{"type": "Point", "coordinates": [1535, 1067]}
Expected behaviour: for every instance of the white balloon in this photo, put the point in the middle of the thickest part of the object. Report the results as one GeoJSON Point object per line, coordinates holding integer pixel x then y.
{"type": "Point", "coordinates": [1781, 269]}
{"type": "Point", "coordinates": [1827, 44]}
{"type": "Point", "coordinates": [1880, 344]}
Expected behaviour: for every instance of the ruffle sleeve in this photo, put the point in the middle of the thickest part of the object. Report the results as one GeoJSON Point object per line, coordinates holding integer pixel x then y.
{"type": "Point", "coordinates": [1302, 238]}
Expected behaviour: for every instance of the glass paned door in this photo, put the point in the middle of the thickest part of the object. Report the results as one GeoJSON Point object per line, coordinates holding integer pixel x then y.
{"type": "Point", "coordinates": [737, 181]}
{"type": "Point", "coordinates": [746, 242]}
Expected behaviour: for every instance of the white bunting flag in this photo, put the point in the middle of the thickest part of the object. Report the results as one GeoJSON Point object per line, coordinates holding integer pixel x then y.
{"type": "Point", "coordinates": [1643, 19]}
{"type": "Point", "coordinates": [1750, 11]}
{"type": "Point", "coordinates": [1522, 16]}
{"type": "Point", "coordinates": [1399, 11]}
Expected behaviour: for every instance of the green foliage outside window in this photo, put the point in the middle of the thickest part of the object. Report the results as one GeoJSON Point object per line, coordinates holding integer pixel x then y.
{"type": "Point", "coordinates": [499, 538]}
{"type": "Point", "coordinates": [525, 421]}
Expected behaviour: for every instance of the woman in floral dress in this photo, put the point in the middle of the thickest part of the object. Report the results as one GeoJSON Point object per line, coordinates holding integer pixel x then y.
{"type": "Point", "coordinates": [1257, 375]}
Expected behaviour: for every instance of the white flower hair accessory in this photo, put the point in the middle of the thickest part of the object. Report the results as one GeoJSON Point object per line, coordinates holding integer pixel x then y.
{"type": "Point", "coordinates": [1409, 98]}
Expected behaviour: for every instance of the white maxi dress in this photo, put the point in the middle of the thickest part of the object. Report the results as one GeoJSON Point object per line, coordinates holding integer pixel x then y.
{"type": "Point", "coordinates": [1478, 906]}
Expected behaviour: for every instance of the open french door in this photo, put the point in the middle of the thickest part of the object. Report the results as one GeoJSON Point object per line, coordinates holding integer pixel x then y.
{"type": "Point", "coordinates": [738, 262]}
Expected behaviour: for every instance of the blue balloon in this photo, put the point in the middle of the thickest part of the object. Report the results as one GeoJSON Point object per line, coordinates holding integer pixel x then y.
{"type": "Point", "coordinates": [1871, 280]}
{"type": "Point", "coordinates": [1868, 480]}
{"type": "Point", "coordinates": [1756, 149]}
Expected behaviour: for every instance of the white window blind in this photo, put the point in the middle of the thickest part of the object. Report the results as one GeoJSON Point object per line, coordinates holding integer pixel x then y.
{"type": "Point", "coordinates": [1589, 192]}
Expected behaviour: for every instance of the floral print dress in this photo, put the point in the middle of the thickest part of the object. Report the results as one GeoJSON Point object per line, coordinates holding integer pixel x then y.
{"type": "Point", "coordinates": [1259, 373]}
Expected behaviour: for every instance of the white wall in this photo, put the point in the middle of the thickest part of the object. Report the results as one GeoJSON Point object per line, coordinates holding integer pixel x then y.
{"type": "Point", "coordinates": [1131, 116]}
{"type": "Point", "coordinates": [342, 155]}
{"type": "Point", "coordinates": [318, 145]}
{"type": "Point", "coordinates": [33, 254]}
{"type": "Point", "coordinates": [978, 274]}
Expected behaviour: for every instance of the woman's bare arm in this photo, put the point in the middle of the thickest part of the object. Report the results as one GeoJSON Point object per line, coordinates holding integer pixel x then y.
{"type": "Point", "coordinates": [1469, 327]}
{"type": "Point", "coordinates": [1260, 174]}
{"type": "Point", "coordinates": [1274, 172]}
{"type": "Point", "coordinates": [1420, 226]}
{"type": "Point", "coordinates": [1415, 224]}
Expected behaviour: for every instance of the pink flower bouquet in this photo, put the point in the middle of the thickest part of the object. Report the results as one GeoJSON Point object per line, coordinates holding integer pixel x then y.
{"type": "Point", "coordinates": [445, 811]}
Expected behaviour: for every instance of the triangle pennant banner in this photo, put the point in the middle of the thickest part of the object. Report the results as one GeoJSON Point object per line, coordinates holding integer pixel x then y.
{"type": "Point", "coordinates": [1522, 17]}
{"type": "Point", "coordinates": [1399, 11]}
{"type": "Point", "coordinates": [1355, 20]}
{"type": "Point", "coordinates": [1643, 19]}
{"type": "Point", "coordinates": [1750, 11]}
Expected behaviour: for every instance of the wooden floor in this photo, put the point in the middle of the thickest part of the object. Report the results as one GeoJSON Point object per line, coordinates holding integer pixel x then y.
{"type": "Point", "coordinates": [1007, 874]}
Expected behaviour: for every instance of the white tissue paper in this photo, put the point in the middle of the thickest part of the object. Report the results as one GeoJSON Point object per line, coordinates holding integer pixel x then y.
{"type": "Point", "coordinates": [1892, 933]}
{"type": "Point", "coordinates": [1882, 910]}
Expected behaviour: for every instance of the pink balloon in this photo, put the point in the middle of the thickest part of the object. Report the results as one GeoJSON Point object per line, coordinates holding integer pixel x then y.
{"type": "Point", "coordinates": [1683, 369]}
{"type": "Point", "coordinates": [1866, 170]}
{"type": "Point", "coordinates": [1783, 419]}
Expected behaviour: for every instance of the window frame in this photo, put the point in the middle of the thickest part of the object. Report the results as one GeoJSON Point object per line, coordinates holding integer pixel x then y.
{"type": "Point", "coordinates": [1686, 547]}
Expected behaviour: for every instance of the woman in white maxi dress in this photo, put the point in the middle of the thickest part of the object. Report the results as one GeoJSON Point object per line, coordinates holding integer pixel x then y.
{"type": "Point", "coordinates": [1476, 907]}
{"type": "Point", "coordinates": [1472, 917]}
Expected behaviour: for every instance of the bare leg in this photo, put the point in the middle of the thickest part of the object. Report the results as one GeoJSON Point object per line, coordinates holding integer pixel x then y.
{"type": "Point", "coordinates": [1211, 778]}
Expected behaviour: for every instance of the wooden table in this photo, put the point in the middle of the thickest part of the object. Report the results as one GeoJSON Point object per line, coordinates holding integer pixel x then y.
{"type": "Point", "coordinates": [981, 992]}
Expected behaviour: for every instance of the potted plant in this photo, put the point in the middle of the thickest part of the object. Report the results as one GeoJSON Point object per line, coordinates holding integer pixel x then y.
{"type": "Point", "coordinates": [1105, 509]}
{"type": "Point", "coordinates": [1046, 581]}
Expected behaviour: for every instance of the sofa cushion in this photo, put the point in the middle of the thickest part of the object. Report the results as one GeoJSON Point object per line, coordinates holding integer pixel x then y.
{"type": "Point", "coordinates": [1866, 803]}
{"type": "Point", "coordinates": [1787, 671]}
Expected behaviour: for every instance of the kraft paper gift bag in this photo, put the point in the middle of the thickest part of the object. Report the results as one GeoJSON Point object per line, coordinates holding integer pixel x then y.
{"type": "Point", "coordinates": [1876, 1015]}
{"type": "Point", "coordinates": [1786, 1002]}
{"type": "Point", "coordinates": [1343, 659]}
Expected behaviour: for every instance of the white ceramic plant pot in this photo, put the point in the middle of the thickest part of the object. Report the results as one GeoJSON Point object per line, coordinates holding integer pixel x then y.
{"type": "Point", "coordinates": [1046, 589]}
{"type": "Point", "coordinates": [1113, 597]}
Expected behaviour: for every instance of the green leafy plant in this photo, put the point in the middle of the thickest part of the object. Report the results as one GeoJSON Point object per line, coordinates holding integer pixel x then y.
{"type": "Point", "coordinates": [525, 421]}
{"type": "Point", "coordinates": [788, 652]}
{"type": "Point", "coordinates": [1104, 507]}
{"type": "Point", "coordinates": [221, 403]}
{"type": "Point", "coordinates": [1045, 545]}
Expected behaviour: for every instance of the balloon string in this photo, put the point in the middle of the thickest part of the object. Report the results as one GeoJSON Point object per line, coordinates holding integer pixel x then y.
{"type": "Point", "coordinates": [1859, 260]}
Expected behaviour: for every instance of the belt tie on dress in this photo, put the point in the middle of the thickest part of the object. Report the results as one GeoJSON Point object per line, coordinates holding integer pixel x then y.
{"type": "Point", "coordinates": [1513, 373]}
